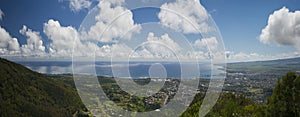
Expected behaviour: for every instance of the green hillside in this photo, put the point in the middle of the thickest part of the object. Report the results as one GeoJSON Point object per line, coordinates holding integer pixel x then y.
{"type": "Point", "coordinates": [27, 93]}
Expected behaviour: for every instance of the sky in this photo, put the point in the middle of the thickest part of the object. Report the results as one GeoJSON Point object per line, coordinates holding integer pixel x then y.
{"type": "Point", "coordinates": [250, 30]}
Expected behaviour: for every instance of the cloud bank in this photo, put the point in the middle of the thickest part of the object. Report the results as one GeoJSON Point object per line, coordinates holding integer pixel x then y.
{"type": "Point", "coordinates": [243, 57]}
{"type": "Point", "coordinates": [207, 43]}
{"type": "Point", "coordinates": [162, 47]}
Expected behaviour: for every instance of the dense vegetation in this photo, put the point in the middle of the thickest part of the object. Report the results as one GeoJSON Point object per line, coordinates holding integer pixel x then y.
{"type": "Point", "coordinates": [229, 105]}
{"type": "Point", "coordinates": [24, 93]}
{"type": "Point", "coordinates": [284, 102]}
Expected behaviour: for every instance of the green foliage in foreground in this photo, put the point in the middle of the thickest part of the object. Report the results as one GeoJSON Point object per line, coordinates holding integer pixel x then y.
{"type": "Point", "coordinates": [284, 102]}
{"type": "Point", "coordinates": [228, 105]}
{"type": "Point", "coordinates": [24, 93]}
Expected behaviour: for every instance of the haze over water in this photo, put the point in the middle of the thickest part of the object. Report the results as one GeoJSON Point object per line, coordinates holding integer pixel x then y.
{"type": "Point", "coordinates": [136, 69]}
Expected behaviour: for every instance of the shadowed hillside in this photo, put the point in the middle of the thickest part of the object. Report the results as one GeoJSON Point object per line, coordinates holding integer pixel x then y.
{"type": "Point", "coordinates": [27, 93]}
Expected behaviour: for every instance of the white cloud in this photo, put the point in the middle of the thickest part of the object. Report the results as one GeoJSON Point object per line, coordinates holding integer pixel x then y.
{"type": "Point", "coordinates": [208, 48]}
{"type": "Point", "coordinates": [159, 47]}
{"type": "Point", "coordinates": [187, 16]}
{"type": "Point", "coordinates": [8, 44]}
{"type": "Point", "coordinates": [123, 25]}
{"type": "Point", "coordinates": [154, 48]}
{"type": "Point", "coordinates": [199, 55]}
{"type": "Point", "coordinates": [165, 40]}
{"type": "Point", "coordinates": [283, 28]}
{"type": "Point", "coordinates": [62, 38]}
{"type": "Point", "coordinates": [77, 5]}
{"type": "Point", "coordinates": [120, 51]}
{"type": "Point", "coordinates": [244, 57]}
{"type": "Point", "coordinates": [209, 44]}
{"type": "Point", "coordinates": [1, 14]}
{"type": "Point", "coordinates": [117, 2]}
{"type": "Point", "coordinates": [34, 42]}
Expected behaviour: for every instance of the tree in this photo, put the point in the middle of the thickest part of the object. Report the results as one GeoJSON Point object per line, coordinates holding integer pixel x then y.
{"type": "Point", "coordinates": [284, 101]}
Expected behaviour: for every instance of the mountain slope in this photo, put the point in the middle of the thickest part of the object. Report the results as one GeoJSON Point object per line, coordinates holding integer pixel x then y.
{"type": "Point", "coordinates": [27, 93]}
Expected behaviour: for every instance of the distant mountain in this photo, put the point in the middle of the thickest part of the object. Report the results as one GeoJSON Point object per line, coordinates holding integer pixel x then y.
{"type": "Point", "coordinates": [280, 66]}
{"type": "Point", "coordinates": [24, 93]}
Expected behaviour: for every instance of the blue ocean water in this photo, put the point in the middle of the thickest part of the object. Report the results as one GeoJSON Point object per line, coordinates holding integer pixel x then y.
{"type": "Point", "coordinates": [135, 69]}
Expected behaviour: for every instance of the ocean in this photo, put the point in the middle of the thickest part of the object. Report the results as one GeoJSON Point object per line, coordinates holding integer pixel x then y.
{"type": "Point", "coordinates": [128, 70]}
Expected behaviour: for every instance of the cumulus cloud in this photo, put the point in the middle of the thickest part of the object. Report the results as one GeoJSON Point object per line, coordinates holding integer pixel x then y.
{"type": "Point", "coordinates": [8, 44]}
{"type": "Point", "coordinates": [34, 42]}
{"type": "Point", "coordinates": [121, 51]}
{"type": "Point", "coordinates": [124, 24]}
{"type": "Point", "coordinates": [283, 28]}
{"type": "Point", "coordinates": [199, 55]}
{"type": "Point", "coordinates": [207, 49]}
{"type": "Point", "coordinates": [162, 47]}
{"type": "Point", "coordinates": [1, 14]}
{"type": "Point", "coordinates": [164, 40]}
{"type": "Point", "coordinates": [77, 5]}
{"type": "Point", "coordinates": [210, 44]}
{"type": "Point", "coordinates": [62, 38]}
{"type": "Point", "coordinates": [187, 16]}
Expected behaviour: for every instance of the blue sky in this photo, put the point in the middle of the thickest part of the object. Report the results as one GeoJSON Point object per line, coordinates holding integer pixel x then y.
{"type": "Point", "coordinates": [240, 21]}
{"type": "Point", "coordinates": [34, 13]}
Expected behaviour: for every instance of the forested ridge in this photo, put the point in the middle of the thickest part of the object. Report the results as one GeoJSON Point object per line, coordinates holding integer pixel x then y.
{"type": "Point", "coordinates": [24, 93]}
